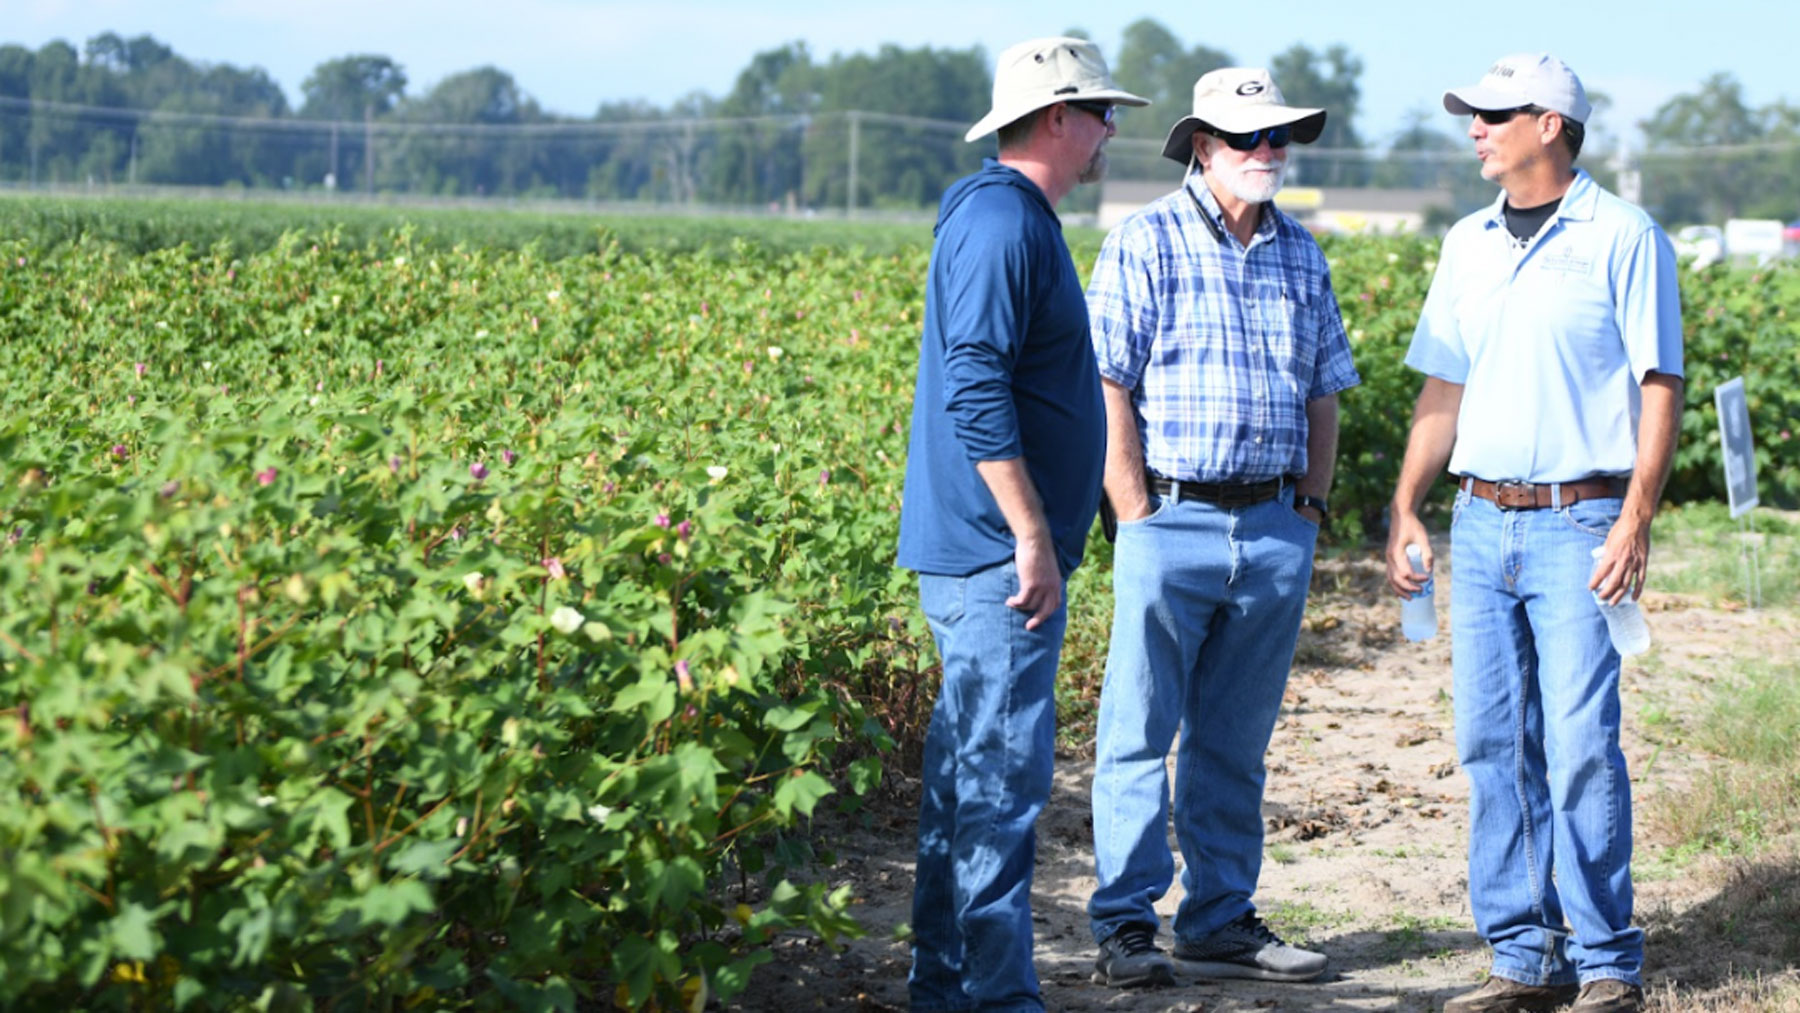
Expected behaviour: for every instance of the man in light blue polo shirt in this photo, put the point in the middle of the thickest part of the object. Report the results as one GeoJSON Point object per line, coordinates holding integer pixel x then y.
{"type": "Point", "coordinates": [1551, 348]}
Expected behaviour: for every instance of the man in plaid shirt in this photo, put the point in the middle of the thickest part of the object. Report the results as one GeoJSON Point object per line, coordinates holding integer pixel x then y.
{"type": "Point", "coordinates": [1221, 353]}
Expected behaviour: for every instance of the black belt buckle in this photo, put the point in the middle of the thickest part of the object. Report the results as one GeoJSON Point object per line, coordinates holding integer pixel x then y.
{"type": "Point", "coordinates": [1515, 495]}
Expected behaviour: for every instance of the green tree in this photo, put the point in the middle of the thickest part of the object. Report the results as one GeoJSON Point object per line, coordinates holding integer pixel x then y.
{"type": "Point", "coordinates": [1331, 81]}
{"type": "Point", "coordinates": [1153, 63]}
{"type": "Point", "coordinates": [345, 87]}
{"type": "Point", "coordinates": [761, 162]}
{"type": "Point", "coordinates": [899, 164]}
{"type": "Point", "coordinates": [1684, 181]}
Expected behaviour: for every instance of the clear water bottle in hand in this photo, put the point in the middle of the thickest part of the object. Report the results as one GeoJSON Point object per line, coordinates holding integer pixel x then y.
{"type": "Point", "coordinates": [1624, 621]}
{"type": "Point", "coordinates": [1418, 612]}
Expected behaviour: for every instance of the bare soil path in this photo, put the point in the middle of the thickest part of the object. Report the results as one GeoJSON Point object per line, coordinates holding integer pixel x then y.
{"type": "Point", "coordinates": [1367, 821]}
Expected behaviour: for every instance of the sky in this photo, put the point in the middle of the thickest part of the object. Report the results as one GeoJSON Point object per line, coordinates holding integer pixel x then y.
{"type": "Point", "coordinates": [570, 55]}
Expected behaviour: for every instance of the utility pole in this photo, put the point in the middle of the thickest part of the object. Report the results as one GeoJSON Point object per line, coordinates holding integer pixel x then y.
{"type": "Point", "coordinates": [855, 138]}
{"type": "Point", "coordinates": [369, 149]}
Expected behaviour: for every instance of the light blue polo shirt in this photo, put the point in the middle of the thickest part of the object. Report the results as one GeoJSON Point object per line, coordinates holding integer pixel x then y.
{"type": "Point", "coordinates": [1550, 342]}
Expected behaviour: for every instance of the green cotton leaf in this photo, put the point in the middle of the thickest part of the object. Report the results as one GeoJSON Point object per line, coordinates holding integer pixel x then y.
{"type": "Point", "coordinates": [425, 858]}
{"type": "Point", "coordinates": [653, 694]}
{"type": "Point", "coordinates": [800, 793]}
{"type": "Point", "coordinates": [133, 932]}
{"type": "Point", "coordinates": [865, 774]}
{"type": "Point", "coordinates": [391, 903]}
{"type": "Point", "coordinates": [253, 936]}
{"type": "Point", "coordinates": [784, 718]}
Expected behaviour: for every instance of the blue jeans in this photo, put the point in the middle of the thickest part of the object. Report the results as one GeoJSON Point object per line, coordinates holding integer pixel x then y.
{"type": "Point", "coordinates": [1208, 603]}
{"type": "Point", "coordinates": [1537, 732]}
{"type": "Point", "coordinates": [988, 756]}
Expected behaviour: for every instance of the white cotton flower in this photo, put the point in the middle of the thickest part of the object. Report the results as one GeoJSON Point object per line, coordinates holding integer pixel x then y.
{"type": "Point", "coordinates": [717, 472]}
{"type": "Point", "coordinates": [566, 620]}
{"type": "Point", "coordinates": [207, 365]}
{"type": "Point", "coordinates": [472, 580]}
{"type": "Point", "coordinates": [481, 333]}
{"type": "Point", "coordinates": [265, 800]}
{"type": "Point", "coordinates": [553, 295]}
{"type": "Point", "coordinates": [775, 352]}
{"type": "Point", "coordinates": [598, 813]}
{"type": "Point", "coordinates": [399, 261]}
{"type": "Point", "coordinates": [1393, 258]}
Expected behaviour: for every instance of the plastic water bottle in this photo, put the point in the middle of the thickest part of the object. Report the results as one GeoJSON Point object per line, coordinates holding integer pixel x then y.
{"type": "Point", "coordinates": [1624, 621]}
{"type": "Point", "coordinates": [1418, 612]}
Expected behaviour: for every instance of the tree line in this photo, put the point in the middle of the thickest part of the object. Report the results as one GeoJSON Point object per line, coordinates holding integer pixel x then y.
{"type": "Point", "coordinates": [863, 130]}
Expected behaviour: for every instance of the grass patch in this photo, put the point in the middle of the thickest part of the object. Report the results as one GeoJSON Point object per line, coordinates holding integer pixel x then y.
{"type": "Point", "coordinates": [1752, 799]}
{"type": "Point", "coordinates": [1299, 919]}
{"type": "Point", "coordinates": [1707, 554]}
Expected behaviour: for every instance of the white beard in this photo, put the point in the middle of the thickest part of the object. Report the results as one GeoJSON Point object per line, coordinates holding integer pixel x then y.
{"type": "Point", "coordinates": [1249, 185]}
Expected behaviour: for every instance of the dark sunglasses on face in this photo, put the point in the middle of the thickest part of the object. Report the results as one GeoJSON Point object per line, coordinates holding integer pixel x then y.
{"type": "Point", "coordinates": [1495, 117]}
{"type": "Point", "coordinates": [1105, 110]}
{"type": "Point", "coordinates": [1278, 137]}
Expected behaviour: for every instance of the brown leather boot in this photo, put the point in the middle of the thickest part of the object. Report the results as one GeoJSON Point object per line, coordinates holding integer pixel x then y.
{"type": "Point", "coordinates": [1503, 995]}
{"type": "Point", "coordinates": [1609, 995]}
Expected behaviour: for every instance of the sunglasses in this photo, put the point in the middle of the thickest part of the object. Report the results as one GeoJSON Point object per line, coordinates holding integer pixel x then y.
{"type": "Point", "coordinates": [1495, 117]}
{"type": "Point", "coordinates": [1278, 137]}
{"type": "Point", "coordinates": [1105, 110]}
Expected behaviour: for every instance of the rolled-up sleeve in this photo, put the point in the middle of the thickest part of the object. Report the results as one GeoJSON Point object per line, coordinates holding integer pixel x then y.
{"type": "Point", "coordinates": [1122, 310]}
{"type": "Point", "coordinates": [986, 314]}
{"type": "Point", "coordinates": [1333, 370]}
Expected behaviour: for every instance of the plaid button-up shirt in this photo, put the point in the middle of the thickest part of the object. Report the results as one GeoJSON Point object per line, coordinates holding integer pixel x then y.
{"type": "Point", "coordinates": [1221, 345]}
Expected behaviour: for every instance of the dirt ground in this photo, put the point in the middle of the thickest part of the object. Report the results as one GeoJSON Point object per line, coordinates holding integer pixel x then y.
{"type": "Point", "coordinates": [1367, 826]}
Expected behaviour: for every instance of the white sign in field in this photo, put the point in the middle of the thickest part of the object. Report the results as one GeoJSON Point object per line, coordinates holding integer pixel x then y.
{"type": "Point", "coordinates": [1739, 451]}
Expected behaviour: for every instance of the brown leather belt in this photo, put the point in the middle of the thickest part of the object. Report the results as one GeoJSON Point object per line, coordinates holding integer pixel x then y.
{"type": "Point", "coordinates": [1225, 494]}
{"type": "Point", "coordinates": [1532, 496]}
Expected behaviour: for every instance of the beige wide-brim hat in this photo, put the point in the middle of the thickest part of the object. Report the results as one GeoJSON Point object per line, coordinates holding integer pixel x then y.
{"type": "Point", "coordinates": [1043, 72]}
{"type": "Point", "coordinates": [1240, 100]}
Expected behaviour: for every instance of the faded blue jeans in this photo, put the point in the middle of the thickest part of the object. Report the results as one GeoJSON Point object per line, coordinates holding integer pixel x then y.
{"type": "Point", "coordinates": [988, 759]}
{"type": "Point", "coordinates": [1537, 732]}
{"type": "Point", "coordinates": [1207, 608]}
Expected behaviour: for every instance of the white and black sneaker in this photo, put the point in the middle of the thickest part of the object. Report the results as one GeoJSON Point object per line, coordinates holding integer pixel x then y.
{"type": "Point", "coordinates": [1129, 959]}
{"type": "Point", "coordinates": [1247, 948]}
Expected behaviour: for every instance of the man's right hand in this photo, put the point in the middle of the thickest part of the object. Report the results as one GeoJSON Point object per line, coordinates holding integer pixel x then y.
{"type": "Point", "coordinates": [1406, 529]}
{"type": "Point", "coordinates": [1040, 580]}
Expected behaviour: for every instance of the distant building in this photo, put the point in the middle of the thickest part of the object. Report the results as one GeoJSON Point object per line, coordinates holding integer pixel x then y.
{"type": "Point", "coordinates": [1321, 209]}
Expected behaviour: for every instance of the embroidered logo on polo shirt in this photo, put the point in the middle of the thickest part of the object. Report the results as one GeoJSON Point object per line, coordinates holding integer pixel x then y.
{"type": "Point", "coordinates": [1566, 262]}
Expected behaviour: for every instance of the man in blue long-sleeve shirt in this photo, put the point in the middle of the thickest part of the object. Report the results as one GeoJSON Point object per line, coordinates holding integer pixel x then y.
{"type": "Point", "coordinates": [1002, 483]}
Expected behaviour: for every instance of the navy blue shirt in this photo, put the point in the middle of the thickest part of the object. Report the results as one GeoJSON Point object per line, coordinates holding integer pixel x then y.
{"type": "Point", "coordinates": [1006, 369]}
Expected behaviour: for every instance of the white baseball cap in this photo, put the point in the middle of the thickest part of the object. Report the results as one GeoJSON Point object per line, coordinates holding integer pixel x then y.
{"type": "Point", "coordinates": [1043, 72]}
{"type": "Point", "coordinates": [1239, 100]}
{"type": "Point", "coordinates": [1520, 80]}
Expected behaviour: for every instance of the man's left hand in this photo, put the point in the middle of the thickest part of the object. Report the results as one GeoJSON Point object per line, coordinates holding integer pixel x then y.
{"type": "Point", "coordinates": [1311, 513]}
{"type": "Point", "coordinates": [1621, 567]}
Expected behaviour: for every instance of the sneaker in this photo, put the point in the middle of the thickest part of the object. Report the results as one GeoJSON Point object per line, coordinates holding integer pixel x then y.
{"type": "Point", "coordinates": [1609, 995]}
{"type": "Point", "coordinates": [1247, 948]}
{"type": "Point", "coordinates": [1129, 959]}
{"type": "Point", "coordinates": [1504, 995]}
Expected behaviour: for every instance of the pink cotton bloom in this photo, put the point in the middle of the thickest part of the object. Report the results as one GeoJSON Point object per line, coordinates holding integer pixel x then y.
{"type": "Point", "coordinates": [662, 520]}
{"type": "Point", "coordinates": [394, 464]}
{"type": "Point", "coordinates": [140, 368]}
{"type": "Point", "coordinates": [120, 450]}
{"type": "Point", "coordinates": [554, 565]}
{"type": "Point", "coordinates": [683, 677]}
{"type": "Point", "coordinates": [478, 471]}
{"type": "Point", "coordinates": [685, 530]}
{"type": "Point", "coordinates": [825, 476]}
{"type": "Point", "coordinates": [266, 476]}
{"type": "Point", "coordinates": [508, 456]}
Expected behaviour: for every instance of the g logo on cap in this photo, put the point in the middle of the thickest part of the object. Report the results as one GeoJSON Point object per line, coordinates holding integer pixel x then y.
{"type": "Point", "coordinates": [1250, 88]}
